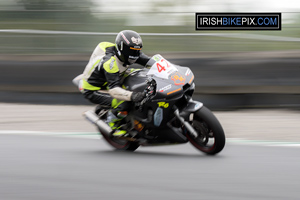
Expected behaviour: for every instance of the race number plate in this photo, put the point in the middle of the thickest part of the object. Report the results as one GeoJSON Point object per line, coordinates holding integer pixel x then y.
{"type": "Point", "coordinates": [161, 68]}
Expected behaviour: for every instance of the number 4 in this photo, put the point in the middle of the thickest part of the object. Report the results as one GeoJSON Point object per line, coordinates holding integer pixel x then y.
{"type": "Point", "coordinates": [160, 68]}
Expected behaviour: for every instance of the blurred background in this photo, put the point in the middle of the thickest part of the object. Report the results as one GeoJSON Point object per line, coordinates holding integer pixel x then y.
{"type": "Point", "coordinates": [46, 43]}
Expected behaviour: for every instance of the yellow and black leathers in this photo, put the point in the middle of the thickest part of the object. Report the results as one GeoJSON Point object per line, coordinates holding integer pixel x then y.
{"type": "Point", "coordinates": [101, 77]}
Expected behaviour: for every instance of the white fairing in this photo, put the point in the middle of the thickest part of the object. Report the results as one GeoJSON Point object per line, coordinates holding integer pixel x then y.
{"type": "Point", "coordinates": [161, 68]}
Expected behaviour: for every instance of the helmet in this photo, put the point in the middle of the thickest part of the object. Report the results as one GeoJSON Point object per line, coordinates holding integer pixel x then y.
{"type": "Point", "coordinates": [128, 45]}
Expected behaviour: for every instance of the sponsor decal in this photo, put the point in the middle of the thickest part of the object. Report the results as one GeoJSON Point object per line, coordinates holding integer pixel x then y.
{"type": "Point", "coordinates": [157, 58]}
{"type": "Point", "coordinates": [133, 57]}
{"type": "Point", "coordinates": [125, 38]}
{"type": "Point", "coordinates": [136, 41]}
{"type": "Point", "coordinates": [163, 104]}
{"type": "Point", "coordinates": [165, 88]}
{"type": "Point", "coordinates": [174, 91]}
{"type": "Point", "coordinates": [178, 78]}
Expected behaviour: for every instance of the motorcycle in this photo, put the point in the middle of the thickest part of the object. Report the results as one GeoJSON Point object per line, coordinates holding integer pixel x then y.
{"type": "Point", "coordinates": [167, 114]}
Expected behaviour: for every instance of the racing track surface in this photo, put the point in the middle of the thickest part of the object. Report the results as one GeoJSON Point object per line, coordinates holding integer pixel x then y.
{"type": "Point", "coordinates": [37, 165]}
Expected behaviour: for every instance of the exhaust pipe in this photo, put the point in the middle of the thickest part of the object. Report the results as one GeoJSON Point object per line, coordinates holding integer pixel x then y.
{"type": "Point", "coordinates": [103, 127]}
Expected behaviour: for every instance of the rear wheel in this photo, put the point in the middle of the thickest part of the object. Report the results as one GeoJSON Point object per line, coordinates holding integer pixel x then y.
{"type": "Point", "coordinates": [211, 137]}
{"type": "Point", "coordinates": [117, 143]}
{"type": "Point", "coordinates": [121, 144]}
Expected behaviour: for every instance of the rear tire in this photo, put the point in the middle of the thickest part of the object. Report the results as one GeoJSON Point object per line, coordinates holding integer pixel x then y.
{"type": "Point", "coordinates": [121, 144]}
{"type": "Point", "coordinates": [211, 137]}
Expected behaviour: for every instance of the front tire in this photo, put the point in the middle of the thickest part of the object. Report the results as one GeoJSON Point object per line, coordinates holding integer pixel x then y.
{"type": "Point", "coordinates": [211, 137]}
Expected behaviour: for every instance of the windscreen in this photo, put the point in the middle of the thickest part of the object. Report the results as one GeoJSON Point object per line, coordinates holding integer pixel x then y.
{"type": "Point", "coordinates": [161, 68]}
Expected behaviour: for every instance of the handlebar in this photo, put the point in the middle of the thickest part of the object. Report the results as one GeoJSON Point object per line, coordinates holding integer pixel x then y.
{"type": "Point", "coordinates": [148, 92]}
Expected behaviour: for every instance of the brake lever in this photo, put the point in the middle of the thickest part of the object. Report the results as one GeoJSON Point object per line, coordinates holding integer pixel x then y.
{"type": "Point", "coordinates": [149, 91]}
{"type": "Point", "coordinates": [140, 104]}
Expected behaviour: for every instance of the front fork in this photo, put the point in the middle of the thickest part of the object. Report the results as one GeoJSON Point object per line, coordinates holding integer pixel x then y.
{"type": "Point", "coordinates": [191, 107]}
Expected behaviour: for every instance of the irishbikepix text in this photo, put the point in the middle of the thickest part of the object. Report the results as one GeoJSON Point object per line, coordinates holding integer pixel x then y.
{"type": "Point", "coordinates": [238, 21]}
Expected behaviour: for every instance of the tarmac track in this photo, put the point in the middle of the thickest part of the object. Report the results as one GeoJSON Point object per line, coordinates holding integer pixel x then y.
{"type": "Point", "coordinates": [38, 166]}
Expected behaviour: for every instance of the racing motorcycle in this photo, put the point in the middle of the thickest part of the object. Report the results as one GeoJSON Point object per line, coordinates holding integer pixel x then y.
{"type": "Point", "coordinates": [167, 114]}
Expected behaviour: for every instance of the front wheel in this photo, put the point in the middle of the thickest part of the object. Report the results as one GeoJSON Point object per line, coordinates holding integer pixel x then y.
{"type": "Point", "coordinates": [121, 144]}
{"type": "Point", "coordinates": [211, 137]}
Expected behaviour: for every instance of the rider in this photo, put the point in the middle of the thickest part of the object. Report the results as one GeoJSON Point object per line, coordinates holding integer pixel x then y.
{"type": "Point", "coordinates": [102, 75]}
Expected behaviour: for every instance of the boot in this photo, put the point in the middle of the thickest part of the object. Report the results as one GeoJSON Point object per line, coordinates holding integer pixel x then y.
{"type": "Point", "coordinates": [114, 122]}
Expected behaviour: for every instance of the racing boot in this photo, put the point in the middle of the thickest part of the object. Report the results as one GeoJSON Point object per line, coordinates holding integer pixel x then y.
{"type": "Point", "coordinates": [114, 122]}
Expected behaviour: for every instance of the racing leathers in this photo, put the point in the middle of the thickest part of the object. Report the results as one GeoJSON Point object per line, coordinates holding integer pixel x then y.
{"type": "Point", "coordinates": [101, 83]}
{"type": "Point", "coordinates": [102, 75]}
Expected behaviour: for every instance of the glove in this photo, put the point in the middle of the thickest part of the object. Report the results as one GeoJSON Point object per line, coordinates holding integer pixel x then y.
{"type": "Point", "coordinates": [137, 96]}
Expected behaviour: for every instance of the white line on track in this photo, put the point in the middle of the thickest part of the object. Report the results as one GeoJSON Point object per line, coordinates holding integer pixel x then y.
{"type": "Point", "coordinates": [262, 142]}
{"type": "Point", "coordinates": [87, 135]}
{"type": "Point", "coordinates": [95, 135]}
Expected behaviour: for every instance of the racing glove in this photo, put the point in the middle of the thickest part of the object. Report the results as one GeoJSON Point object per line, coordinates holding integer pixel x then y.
{"type": "Point", "coordinates": [137, 96]}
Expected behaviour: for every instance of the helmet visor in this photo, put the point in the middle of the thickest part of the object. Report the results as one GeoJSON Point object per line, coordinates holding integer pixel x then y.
{"type": "Point", "coordinates": [134, 51]}
{"type": "Point", "coordinates": [133, 54]}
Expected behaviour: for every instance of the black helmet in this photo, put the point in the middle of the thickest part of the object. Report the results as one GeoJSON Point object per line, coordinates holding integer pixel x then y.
{"type": "Point", "coordinates": [128, 44]}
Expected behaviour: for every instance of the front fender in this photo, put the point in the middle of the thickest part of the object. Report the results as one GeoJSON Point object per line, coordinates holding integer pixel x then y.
{"type": "Point", "coordinates": [191, 107]}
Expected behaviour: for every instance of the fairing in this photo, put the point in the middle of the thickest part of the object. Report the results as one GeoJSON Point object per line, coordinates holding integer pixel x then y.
{"type": "Point", "coordinates": [173, 89]}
